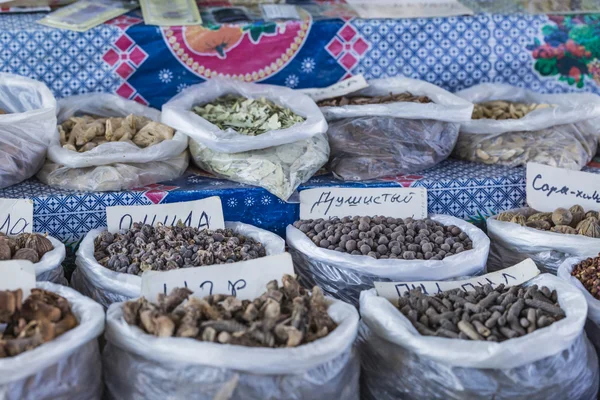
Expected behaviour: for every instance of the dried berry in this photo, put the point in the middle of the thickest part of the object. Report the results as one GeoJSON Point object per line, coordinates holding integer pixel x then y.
{"type": "Point", "coordinates": [588, 273]}
{"type": "Point", "coordinates": [283, 316]}
{"type": "Point", "coordinates": [562, 216]}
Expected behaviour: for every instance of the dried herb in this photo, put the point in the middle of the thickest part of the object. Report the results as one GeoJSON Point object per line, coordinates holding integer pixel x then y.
{"type": "Point", "coordinates": [250, 117]}
{"type": "Point", "coordinates": [285, 316]}
{"type": "Point", "coordinates": [361, 100]}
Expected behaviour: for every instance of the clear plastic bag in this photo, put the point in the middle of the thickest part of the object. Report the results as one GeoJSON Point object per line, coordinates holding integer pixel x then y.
{"type": "Point", "coordinates": [565, 135]}
{"type": "Point", "coordinates": [68, 367]}
{"type": "Point", "coordinates": [114, 165]}
{"type": "Point", "coordinates": [141, 366]}
{"type": "Point", "coordinates": [26, 129]}
{"type": "Point", "coordinates": [107, 286]}
{"type": "Point", "coordinates": [512, 243]}
{"type": "Point", "coordinates": [553, 363]}
{"type": "Point", "coordinates": [344, 276]}
{"type": "Point", "coordinates": [279, 169]}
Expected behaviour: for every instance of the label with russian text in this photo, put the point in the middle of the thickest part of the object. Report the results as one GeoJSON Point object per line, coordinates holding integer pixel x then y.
{"type": "Point", "coordinates": [16, 216]}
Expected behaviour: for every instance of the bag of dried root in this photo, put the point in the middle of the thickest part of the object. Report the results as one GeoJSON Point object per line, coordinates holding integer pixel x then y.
{"type": "Point", "coordinates": [108, 286]}
{"type": "Point", "coordinates": [512, 126]}
{"type": "Point", "coordinates": [344, 276]}
{"type": "Point", "coordinates": [395, 126]}
{"type": "Point", "coordinates": [27, 124]}
{"type": "Point", "coordinates": [512, 243]}
{"type": "Point", "coordinates": [551, 363]}
{"type": "Point", "coordinates": [207, 359]}
{"type": "Point", "coordinates": [67, 367]}
{"type": "Point", "coordinates": [104, 142]}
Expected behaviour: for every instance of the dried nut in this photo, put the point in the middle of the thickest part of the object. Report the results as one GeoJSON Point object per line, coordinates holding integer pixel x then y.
{"type": "Point", "coordinates": [5, 251]}
{"type": "Point", "coordinates": [539, 224]}
{"type": "Point", "coordinates": [39, 243]}
{"type": "Point", "coordinates": [26, 254]}
{"type": "Point", "coordinates": [592, 214]}
{"type": "Point", "coordinates": [541, 216]}
{"type": "Point", "coordinates": [589, 227]}
{"type": "Point", "coordinates": [565, 229]}
{"type": "Point", "coordinates": [519, 219]}
{"type": "Point", "coordinates": [505, 216]}
{"type": "Point", "coordinates": [562, 216]}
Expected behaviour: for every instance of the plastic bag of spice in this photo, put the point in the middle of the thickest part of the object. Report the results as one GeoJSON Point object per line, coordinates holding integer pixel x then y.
{"type": "Point", "coordinates": [512, 243]}
{"type": "Point", "coordinates": [114, 165]}
{"type": "Point", "coordinates": [27, 123]}
{"type": "Point", "coordinates": [553, 363]}
{"type": "Point", "coordinates": [68, 367]}
{"type": "Point", "coordinates": [139, 365]}
{"type": "Point", "coordinates": [344, 276]}
{"type": "Point", "coordinates": [107, 286]}
{"type": "Point", "coordinates": [370, 141]}
{"type": "Point", "coordinates": [561, 130]}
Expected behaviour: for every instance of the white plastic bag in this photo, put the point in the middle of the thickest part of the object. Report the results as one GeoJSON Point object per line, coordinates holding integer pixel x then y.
{"type": "Point", "coordinates": [26, 131]}
{"type": "Point", "coordinates": [141, 366]}
{"type": "Point", "coordinates": [68, 367]}
{"type": "Point", "coordinates": [565, 135]}
{"type": "Point", "coordinates": [107, 286]}
{"type": "Point", "coordinates": [50, 268]}
{"type": "Point", "coordinates": [512, 243]}
{"type": "Point", "coordinates": [344, 276]}
{"type": "Point", "coordinates": [113, 165]}
{"type": "Point", "coordinates": [178, 114]}
{"type": "Point", "coordinates": [552, 363]}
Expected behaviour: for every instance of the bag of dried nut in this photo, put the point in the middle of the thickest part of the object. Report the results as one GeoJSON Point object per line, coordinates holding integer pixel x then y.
{"type": "Point", "coordinates": [395, 126]}
{"type": "Point", "coordinates": [548, 238]}
{"type": "Point", "coordinates": [540, 352]}
{"type": "Point", "coordinates": [285, 344]}
{"type": "Point", "coordinates": [27, 123]}
{"type": "Point", "coordinates": [104, 142]}
{"type": "Point", "coordinates": [344, 256]}
{"type": "Point", "coordinates": [109, 266]}
{"type": "Point", "coordinates": [512, 126]}
{"type": "Point", "coordinates": [55, 355]}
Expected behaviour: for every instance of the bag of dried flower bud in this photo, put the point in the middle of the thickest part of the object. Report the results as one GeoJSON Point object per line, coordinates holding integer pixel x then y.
{"type": "Point", "coordinates": [512, 126]}
{"type": "Point", "coordinates": [107, 286]}
{"type": "Point", "coordinates": [27, 123]}
{"type": "Point", "coordinates": [67, 367]}
{"type": "Point", "coordinates": [344, 275]}
{"type": "Point", "coordinates": [147, 153]}
{"type": "Point", "coordinates": [552, 363]}
{"type": "Point", "coordinates": [512, 243]}
{"type": "Point", "coordinates": [186, 368]}
{"type": "Point", "coordinates": [395, 126]}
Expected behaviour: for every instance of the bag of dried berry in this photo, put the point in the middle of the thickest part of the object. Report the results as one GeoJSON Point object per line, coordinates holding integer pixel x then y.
{"type": "Point", "coordinates": [395, 126]}
{"type": "Point", "coordinates": [512, 126]}
{"type": "Point", "coordinates": [262, 135]}
{"type": "Point", "coordinates": [205, 362]}
{"type": "Point", "coordinates": [117, 276]}
{"type": "Point", "coordinates": [68, 366]}
{"type": "Point", "coordinates": [383, 249]}
{"type": "Point", "coordinates": [552, 363]}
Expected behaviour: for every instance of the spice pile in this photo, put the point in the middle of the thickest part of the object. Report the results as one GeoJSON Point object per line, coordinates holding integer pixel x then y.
{"type": "Point", "coordinates": [86, 132]}
{"type": "Point", "coordinates": [574, 221]}
{"type": "Point", "coordinates": [162, 248]}
{"type": "Point", "coordinates": [284, 316]}
{"type": "Point", "coordinates": [501, 109]}
{"type": "Point", "coordinates": [588, 273]}
{"type": "Point", "coordinates": [361, 100]}
{"type": "Point", "coordinates": [382, 237]}
{"type": "Point", "coordinates": [26, 246]}
{"type": "Point", "coordinates": [488, 314]}
{"type": "Point", "coordinates": [42, 317]}
{"type": "Point", "coordinates": [250, 117]}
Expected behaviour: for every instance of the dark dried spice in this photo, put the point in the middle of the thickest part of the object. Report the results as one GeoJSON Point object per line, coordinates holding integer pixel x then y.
{"type": "Point", "coordinates": [588, 273]}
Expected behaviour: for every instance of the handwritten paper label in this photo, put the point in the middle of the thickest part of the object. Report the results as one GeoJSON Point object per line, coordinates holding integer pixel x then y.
{"type": "Point", "coordinates": [342, 88]}
{"type": "Point", "coordinates": [202, 214]}
{"type": "Point", "coordinates": [549, 188]}
{"type": "Point", "coordinates": [342, 202]}
{"type": "Point", "coordinates": [408, 8]}
{"type": "Point", "coordinates": [16, 216]}
{"type": "Point", "coordinates": [279, 11]}
{"type": "Point", "coordinates": [515, 275]}
{"type": "Point", "coordinates": [244, 279]}
{"type": "Point", "coordinates": [17, 274]}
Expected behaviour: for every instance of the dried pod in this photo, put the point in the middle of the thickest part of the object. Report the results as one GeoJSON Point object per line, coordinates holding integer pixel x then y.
{"type": "Point", "coordinates": [505, 216]}
{"type": "Point", "coordinates": [576, 209]}
{"type": "Point", "coordinates": [592, 214]}
{"type": "Point", "coordinates": [589, 227]}
{"type": "Point", "coordinates": [565, 229]}
{"type": "Point", "coordinates": [27, 254]}
{"type": "Point", "coordinates": [540, 216]}
{"type": "Point", "coordinates": [562, 216]}
{"type": "Point", "coordinates": [519, 219]}
{"type": "Point", "coordinates": [542, 225]}
{"type": "Point", "coordinates": [39, 243]}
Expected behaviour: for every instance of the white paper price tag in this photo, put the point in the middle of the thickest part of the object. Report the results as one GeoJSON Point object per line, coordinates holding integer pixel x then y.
{"type": "Point", "coordinates": [16, 216]}
{"type": "Point", "coordinates": [549, 188]}
{"type": "Point", "coordinates": [17, 274]}
{"type": "Point", "coordinates": [342, 88]}
{"type": "Point", "coordinates": [202, 214]}
{"type": "Point", "coordinates": [245, 279]}
{"type": "Point", "coordinates": [515, 275]}
{"type": "Point", "coordinates": [342, 202]}
{"type": "Point", "coordinates": [408, 8]}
